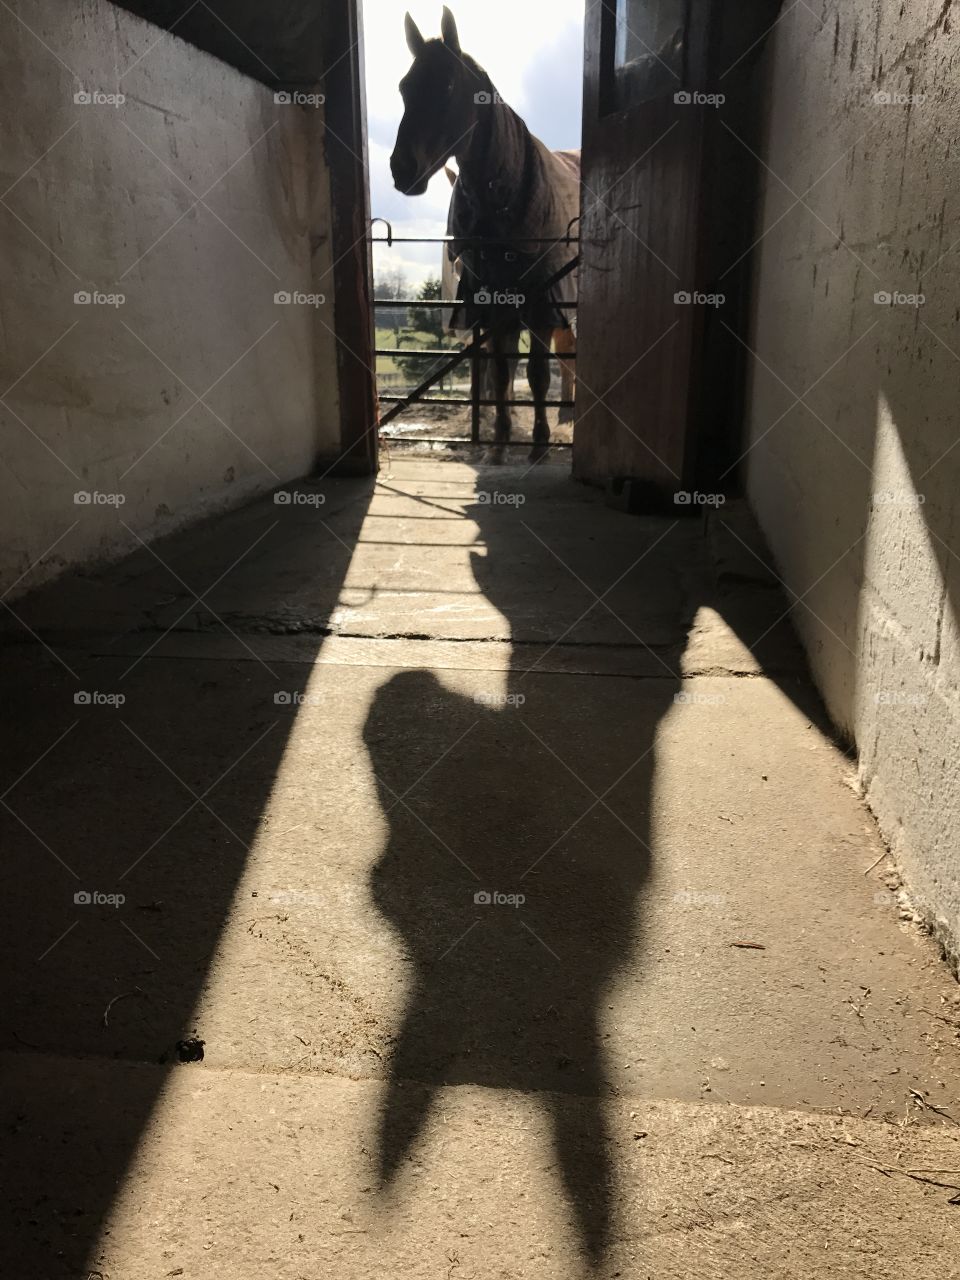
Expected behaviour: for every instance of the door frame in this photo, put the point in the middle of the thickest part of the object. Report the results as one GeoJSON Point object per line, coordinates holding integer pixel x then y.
{"type": "Point", "coordinates": [697, 433]}
{"type": "Point", "coordinates": [345, 147]}
{"type": "Point", "coordinates": [658, 457]}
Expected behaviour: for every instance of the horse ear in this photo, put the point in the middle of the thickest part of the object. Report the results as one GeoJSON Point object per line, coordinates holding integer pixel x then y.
{"type": "Point", "coordinates": [415, 40]}
{"type": "Point", "coordinates": [451, 176]}
{"type": "Point", "coordinates": [448, 29]}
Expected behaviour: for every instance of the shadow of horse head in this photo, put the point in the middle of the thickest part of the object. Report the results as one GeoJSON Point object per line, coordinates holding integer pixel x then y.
{"type": "Point", "coordinates": [510, 877]}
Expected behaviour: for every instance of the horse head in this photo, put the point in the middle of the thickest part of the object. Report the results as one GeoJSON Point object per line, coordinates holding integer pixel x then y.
{"type": "Point", "coordinates": [440, 104]}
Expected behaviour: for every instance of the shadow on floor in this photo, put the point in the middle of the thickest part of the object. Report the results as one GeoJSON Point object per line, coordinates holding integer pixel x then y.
{"type": "Point", "coordinates": [154, 799]}
{"type": "Point", "coordinates": [538, 785]}
{"type": "Point", "coordinates": [520, 833]}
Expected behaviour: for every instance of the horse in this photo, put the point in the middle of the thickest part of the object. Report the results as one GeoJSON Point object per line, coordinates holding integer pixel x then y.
{"type": "Point", "coordinates": [564, 338]}
{"type": "Point", "coordinates": [511, 191]}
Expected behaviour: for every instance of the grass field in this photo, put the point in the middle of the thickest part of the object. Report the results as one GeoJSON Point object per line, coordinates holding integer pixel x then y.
{"type": "Point", "coordinates": [413, 340]}
{"type": "Point", "coordinates": [410, 342]}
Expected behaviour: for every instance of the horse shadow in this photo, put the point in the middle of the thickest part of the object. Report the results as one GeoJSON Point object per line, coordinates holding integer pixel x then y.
{"type": "Point", "coordinates": [519, 816]}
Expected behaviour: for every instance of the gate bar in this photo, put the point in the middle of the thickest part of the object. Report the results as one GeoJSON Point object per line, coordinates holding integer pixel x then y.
{"type": "Point", "coordinates": [463, 442]}
{"type": "Point", "coordinates": [457, 358]}
{"type": "Point", "coordinates": [475, 387]}
{"type": "Point", "coordinates": [481, 355]}
{"type": "Point", "coordinates": [501, 243]}
{"type": "Point", "coordinates": [391, 239]}
{"type": "Point", "coordinates": [469, 351]}
{"type": "Point", "coordinates": [443, 302]}
{"type": "Point", "coordinates": [491, 404]}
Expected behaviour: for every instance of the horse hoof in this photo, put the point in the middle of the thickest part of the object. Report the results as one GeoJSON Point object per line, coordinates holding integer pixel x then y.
{"type": "Point", "coordinates": [539, 452]}
{"type": "Point", "coordinates": [493, 456]}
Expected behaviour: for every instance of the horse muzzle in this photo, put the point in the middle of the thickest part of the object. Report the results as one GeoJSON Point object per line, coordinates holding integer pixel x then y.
{"type": "Point", "coordinates": [407, 174]}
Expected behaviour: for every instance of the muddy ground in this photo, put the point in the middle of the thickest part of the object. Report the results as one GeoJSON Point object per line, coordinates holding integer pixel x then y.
{"type": "Point", "coordinates": [453, 423]}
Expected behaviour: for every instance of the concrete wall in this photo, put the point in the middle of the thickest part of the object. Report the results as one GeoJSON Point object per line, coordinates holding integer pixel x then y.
{"type": "Point", "coordinates": [856, 486]}
{"type": "Point", "coordinates": [279, 43]}
{"type": "Point", "coordinates": [101, 398]}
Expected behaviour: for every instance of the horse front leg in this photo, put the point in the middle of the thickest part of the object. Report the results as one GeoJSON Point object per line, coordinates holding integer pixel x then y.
{"type": "Point", "coordinates": [538, 373]}
{"type": "Point", "coordinates": [565, 343]}
{"type": "Point", "coordinates": [502, 343]}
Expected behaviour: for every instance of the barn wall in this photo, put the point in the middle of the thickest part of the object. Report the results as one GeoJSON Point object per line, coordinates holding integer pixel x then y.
{"type": "Point", "coordinates": [857, 487]}
{"type": "Point", "coordinates": [101, 198]}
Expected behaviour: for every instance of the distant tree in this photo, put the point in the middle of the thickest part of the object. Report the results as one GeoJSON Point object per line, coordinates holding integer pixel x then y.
{"type": "Point", "coordinates": [428, 320]}
{"type": "Point", "coordinates": [391, 285]}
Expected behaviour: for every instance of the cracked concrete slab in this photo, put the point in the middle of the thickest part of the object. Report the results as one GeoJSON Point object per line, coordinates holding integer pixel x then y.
{"type": "Point", "coordinates": [266, 1174]}
{"type": "Point", "coordinates": [328, 894]}
{"type": "Point", "coordinates": [684, 912]}
{"type": "Point", "coordinates": [405, 566]}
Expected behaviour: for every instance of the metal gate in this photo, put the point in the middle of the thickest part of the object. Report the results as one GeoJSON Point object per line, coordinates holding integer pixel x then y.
{"type": "Point", "coordinates": [474, 351]}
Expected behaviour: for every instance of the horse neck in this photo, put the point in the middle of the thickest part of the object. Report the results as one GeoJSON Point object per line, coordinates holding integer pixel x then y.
{"type": "Point", "coordinates": [495, 161]}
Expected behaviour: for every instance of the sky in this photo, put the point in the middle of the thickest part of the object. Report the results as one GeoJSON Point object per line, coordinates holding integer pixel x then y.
{"type": "Point", "coordinates": [532, 51]}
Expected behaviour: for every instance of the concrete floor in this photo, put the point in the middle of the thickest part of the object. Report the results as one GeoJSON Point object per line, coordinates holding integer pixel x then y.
{"type": "Point", "coordinates": [341, 723]}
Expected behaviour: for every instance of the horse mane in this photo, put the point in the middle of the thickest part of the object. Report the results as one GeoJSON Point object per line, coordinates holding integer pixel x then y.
{"type": "Point", "coordinates": [504, 147]}
{"type": "Point", "coordinates": [516, 195]}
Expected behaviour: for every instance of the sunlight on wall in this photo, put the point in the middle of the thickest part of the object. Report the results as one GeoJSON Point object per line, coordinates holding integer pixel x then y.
{"type": "Point", "coordinates": [905, 708]}
{"type": "Point", "coordinates": [902, 583]}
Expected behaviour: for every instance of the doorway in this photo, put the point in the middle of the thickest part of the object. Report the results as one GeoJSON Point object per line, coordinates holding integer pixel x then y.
{"type": "Point", "coordinates": [414, 278]}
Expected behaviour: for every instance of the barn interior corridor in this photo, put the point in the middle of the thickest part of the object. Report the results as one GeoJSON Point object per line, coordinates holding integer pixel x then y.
{"type": "Point", "coordinates": [494, 903]}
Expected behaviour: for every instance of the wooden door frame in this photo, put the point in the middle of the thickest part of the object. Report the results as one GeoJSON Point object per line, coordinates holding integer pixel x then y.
{"type": "Point", "coordinates": [601, 454]}
{"type": "Point", "coordinates": [345, 146]}
{"type": "Point", "coordinates": [706, 445]}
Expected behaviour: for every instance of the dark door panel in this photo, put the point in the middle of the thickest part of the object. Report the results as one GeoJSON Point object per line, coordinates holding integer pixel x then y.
{"type": "Point", "coordinates": [641, 174]}
{"type": "Point", "coordinates": [671, 100]}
